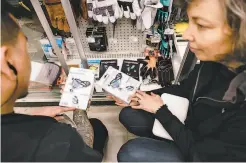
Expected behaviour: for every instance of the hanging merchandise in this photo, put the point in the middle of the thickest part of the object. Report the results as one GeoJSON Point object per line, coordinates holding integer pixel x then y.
{"type": "Point", "coordinates": [84, 9]}
{"type": "Point", "coordinates": [48, 50]}
{"type": "Point", "coordinates": [57, 16]}
{"type": "Point", "coordinates": [103, 10]}
{"type": "Point", "coordinates": [97, 38]}
{"type": "Point", "coordinates": [164, 49]}
{"type": "Point", "coordinates": [71, 46]}
{"type": "Point", "coordinates": [21, 8]}
{"type": "Point", "coordinates": [179, 13]}
{"type": "Point", "coordinates": [129, 9]}
{"type": "Point", "coordinates": [149, 67]}
{"type": "Point", "coordinates": [131, 68]}
{"type": "Point", "coordinates": [162, 17]}
{"type": "Point", "coordinates": [95, 66]}
{"type": "Point", "coordinates": [165, 2]}
{"type": "Point", "coordinates": [152, 38]}
{"type": "Point", "coordinates": [149, 12]}
{"type": "Point", "coordinates": [76, 7]}
{"type": "Point", "coordinates": [165, 71]}
{"type": "Point", "coordinates": [104, 65]}
{"type": "Point", "coordinates": [113, 40]}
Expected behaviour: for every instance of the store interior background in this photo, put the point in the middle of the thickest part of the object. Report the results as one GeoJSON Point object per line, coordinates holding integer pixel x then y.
{"type": "Point", "coordinates": [101, 108]}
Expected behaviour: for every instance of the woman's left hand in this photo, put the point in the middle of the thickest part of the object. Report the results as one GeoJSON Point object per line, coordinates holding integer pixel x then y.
{"type": "Point", "coordinates": [150, 103]}
{"type": "Point", "coordinates": [51, 111]}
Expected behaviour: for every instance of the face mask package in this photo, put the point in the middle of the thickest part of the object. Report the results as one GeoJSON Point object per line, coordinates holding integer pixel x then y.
{"type": "Point", "coordinates": [48, 50]}
{"type": "Point", "coordinates": [95, 66]}
{"type": "Point", "coordinates": [78, 89]}
{"type": "Point", "coordinates": [71, 46]}
{"type": "Point", "coordinates": [119, 84]}
{"type": "Point", "coordinates": [97, 38]}
{"type": "Point", "coordinates": [131, 68]}
{"type": "Point", "coordinates": [104, 65]}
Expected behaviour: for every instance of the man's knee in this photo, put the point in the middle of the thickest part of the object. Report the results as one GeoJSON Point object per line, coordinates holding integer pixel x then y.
{"type": "Point", "coordinates": [98, 127]}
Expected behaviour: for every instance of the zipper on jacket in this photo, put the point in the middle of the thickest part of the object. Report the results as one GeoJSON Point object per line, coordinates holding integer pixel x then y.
{"type": "Point", "coordinates": [198, 76]}
{"type": "Point", "coordinates": [212, 99]}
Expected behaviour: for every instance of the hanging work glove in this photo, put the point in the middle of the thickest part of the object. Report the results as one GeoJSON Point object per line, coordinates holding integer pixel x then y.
{"type": "Point", "coordinates": [137, 6]}
{"type": "Point", "coordinates": [149, 12]}
{"type": "Point", "coordinates": [165, 71]}
{"type": "Point", "coordinates": [129, 8]}
{"type": "Point", "coordinates": [103, 10]}
{"type": "Point", "coordinates": [139, 23]}
{"type": "Point", "coordinates": [57, 15]}
{"type": "Point", "coordinates": [84, 9]}
{"type": "Point", "coordinates": [149, 67]}
{"type": "Point", "coordinates": [91, 6]}
{"type": "Point", "coordinates": [107, 10]}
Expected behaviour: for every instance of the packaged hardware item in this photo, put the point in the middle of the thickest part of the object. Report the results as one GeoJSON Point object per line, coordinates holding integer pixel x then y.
{"type": "Point", "coordinates": [45, 73]}
{"type": "Point", "coordinates": [48, 50]}
{"type": "Point", "coordinates": [71, 46]}
{"type": "Point", "coordinates": [78, 89]}
{"type": "Point", "coordinates": [131, 68]}
{"type": "Point", "coordinates": [97, 38]}
{"type": "Point", "coordinates": [119, 84]}
{"type": "Point", "coordinates": [95, 66]}
{"type": "Point", "coordinates": [104, 65]}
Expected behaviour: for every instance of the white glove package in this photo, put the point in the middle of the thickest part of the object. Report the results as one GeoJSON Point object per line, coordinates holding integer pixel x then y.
{"type": "Point", "coordinates": [103, 10]}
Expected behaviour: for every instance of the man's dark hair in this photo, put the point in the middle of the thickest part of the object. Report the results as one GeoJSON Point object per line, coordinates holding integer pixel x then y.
{"type": "Point", "coordinates": [9, 28]}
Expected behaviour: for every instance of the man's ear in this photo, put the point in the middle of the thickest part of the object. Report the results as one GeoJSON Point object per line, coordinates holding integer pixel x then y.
{"type": "Point", "coordinates": [7, 64]}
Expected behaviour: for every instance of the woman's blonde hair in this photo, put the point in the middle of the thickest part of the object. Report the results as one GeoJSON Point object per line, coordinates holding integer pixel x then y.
{"type": "Point", "coordinates": [235, 11]}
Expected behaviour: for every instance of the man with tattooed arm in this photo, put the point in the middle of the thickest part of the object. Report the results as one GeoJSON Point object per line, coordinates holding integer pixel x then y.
{"type": "Point", "coordinates": [37, 135]}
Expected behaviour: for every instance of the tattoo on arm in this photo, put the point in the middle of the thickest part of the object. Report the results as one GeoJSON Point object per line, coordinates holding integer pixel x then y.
{"type": "Point", "coordinates": [84, 126]}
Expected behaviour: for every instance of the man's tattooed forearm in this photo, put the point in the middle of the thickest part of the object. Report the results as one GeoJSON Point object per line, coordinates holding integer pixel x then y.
{"type": "Point", "coordinates": [84, 126]}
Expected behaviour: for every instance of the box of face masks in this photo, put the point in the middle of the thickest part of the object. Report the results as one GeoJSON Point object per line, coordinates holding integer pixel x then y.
{"type": "Point", "coordinates": [119, 84]}
{"type": "Point", "coordinates": [78, 89]}
{"type": "Point", "coordinates": [48, 50]}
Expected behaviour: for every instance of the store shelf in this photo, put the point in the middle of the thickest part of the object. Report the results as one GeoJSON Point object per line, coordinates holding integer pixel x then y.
{"type": "Point", "coordinates": [52, 98]}
{"type": "Point", "coordinates": [124, 48]}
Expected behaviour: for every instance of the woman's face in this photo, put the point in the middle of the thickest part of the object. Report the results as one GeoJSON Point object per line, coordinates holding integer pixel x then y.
{"type": "Point", "coordinates": [210, 37]}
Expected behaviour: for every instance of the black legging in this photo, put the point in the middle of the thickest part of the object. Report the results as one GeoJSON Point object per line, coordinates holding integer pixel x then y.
{"type": "Point", "coordinates": [149, 148]}
{"type": "Point", "coordinates": [100, 135]}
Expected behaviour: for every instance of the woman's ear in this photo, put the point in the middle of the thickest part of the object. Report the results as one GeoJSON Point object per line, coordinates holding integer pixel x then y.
{"type": "Point", "coordinates": [7, 67]}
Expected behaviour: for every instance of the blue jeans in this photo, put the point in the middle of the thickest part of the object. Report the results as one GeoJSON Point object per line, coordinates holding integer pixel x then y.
{"type": "Point", "coordinates": [148, 148]}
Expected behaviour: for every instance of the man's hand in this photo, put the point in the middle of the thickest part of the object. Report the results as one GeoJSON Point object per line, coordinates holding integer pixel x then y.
{"type": "Point", "coordinates": [119, 102]}
{"type": "Point", "coordinates": [51, 111]}
{"type": "Point", "coordinates": [150, 103]}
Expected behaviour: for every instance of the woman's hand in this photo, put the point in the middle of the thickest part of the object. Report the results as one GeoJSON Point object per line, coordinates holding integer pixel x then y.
{"type": "Point", "coordinates": [119, 102]}
{"type": "Point", "coordinates": [51, 111]}
{"type": "Point", "coordinates": [150, 103]}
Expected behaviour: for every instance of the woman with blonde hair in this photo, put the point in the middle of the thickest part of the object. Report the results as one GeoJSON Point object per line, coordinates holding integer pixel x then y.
{"type": "Point", "coordinates": [215, 127]}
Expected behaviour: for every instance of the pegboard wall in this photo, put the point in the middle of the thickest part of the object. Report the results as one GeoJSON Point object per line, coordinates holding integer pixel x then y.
{"type": "Point", "coordinates": [125, 47]}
